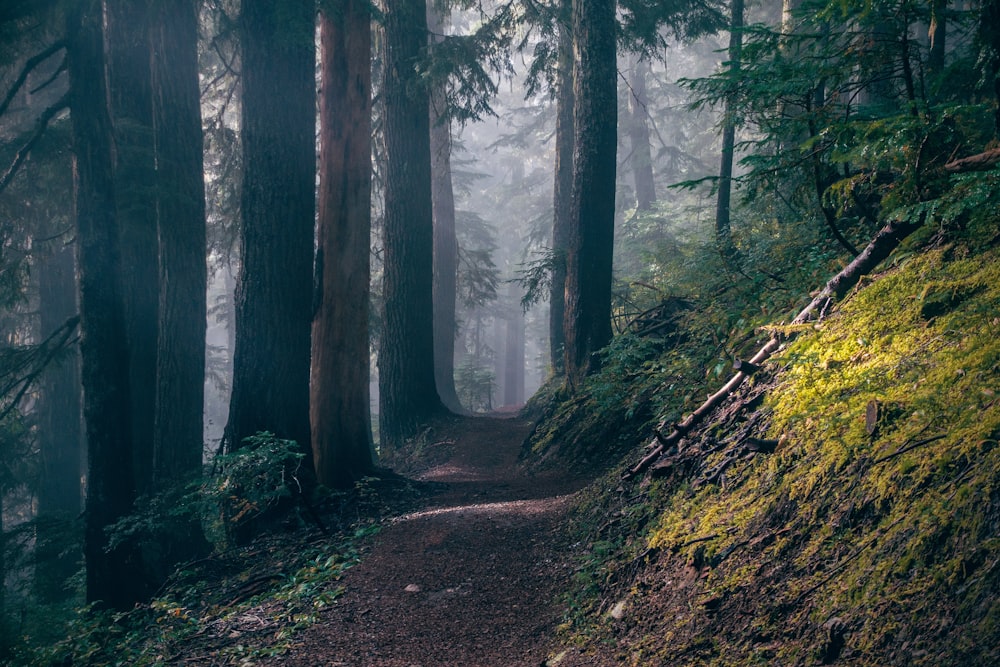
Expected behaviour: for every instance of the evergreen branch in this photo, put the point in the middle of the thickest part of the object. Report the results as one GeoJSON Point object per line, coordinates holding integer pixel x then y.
{"type": "Point", "coordinates": [30, 65]}
{"type": "Point", "coordinates": [48, 351]}
{"type": "Point", "coordinates": [40, 126]}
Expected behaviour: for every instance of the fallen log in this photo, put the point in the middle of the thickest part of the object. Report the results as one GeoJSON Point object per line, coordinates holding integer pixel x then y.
{"type": "Point", "coordinates": [980, 162]}
{"type": "Point", "coordinates": [879, 248]}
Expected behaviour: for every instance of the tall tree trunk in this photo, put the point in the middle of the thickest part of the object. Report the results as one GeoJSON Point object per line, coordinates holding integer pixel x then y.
{"type": "Point", "coordinates": [445, 241]}
{"type": "Point", "coordinates": [407, 390]}
{"type": "Point", "coordinates": [131, 108]}
{"type": "Point", "coordinates": [60, 433]}
{"type": "Point", "coordinates": [274, 287]}
{"type": "Point", "coordinates": [589, 256]}
{"type": "Point", "coordinates": [988, 33]}
{"type": "Point", "coordinates": [340, 408]}
{"type": "Point", "coordinates": [936, 34]}
{"type": "Point", "coordinates": [724, 196]}
{"type": "Point", "coordinates": [638, 132]}
{"type": "Point", "coordinates": [563, 187]}
{"type": "Point", "coordinates": [513, 382]}
{"type": "Point", "coordinates": [113, 575]}
{"type": "Point", "coordinates": [178, 437]}
{"type": "Point", "coordinates": [180, 373]}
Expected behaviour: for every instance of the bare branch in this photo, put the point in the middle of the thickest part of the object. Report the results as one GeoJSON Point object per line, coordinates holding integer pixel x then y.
{"type": "Point", "coordinates": [31, 64]}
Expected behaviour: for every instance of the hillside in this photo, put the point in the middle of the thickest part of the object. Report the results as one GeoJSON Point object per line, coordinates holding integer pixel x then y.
{"type": "Point", "coordinates": [841, 508]}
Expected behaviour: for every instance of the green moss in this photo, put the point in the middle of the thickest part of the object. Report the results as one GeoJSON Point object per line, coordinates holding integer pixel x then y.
{"type": "Point", "coordinates": [890, 525]}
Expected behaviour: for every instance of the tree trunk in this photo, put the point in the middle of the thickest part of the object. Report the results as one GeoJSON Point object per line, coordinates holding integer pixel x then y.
{"type": "Point", "coordinates": [723, 230]}
{"type": "Point", "coordinates": [407, 390]}
{"type": "Point", "coordinates": [274, 287]}
{"type": "Point", "coordinates": [445, 242]}
{"type": "Point", "coordinates": [563, 188]}
{"type": "Point", "coordinates": [589, 256]}
{"type": "Point", "coordinates": [60, 433]}
{"type": "Point", "coordinates": [340, 411]}
{"type": "Point", "coordinates": [936, 35]}
{"type": "Point", "coordinates": [513, 383]}
{"type": "Point", "coordinates": [638, 132]}
{"type": "Point", "coordinates": [113, 575]}
{"type": "Point", "coordinates": [131, 108]}
{"type": "Point", "coordinates": [180, 375]}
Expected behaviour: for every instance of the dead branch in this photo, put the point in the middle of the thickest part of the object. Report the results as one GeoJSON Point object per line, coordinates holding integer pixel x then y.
{"type": "Point", "coordinates": [981, 162]}
{"type": "Point", "coordinates": [879, 248]}
{"type": "Point", "coordinates": [907, 447]}
{"type": "Point", "coordinates": [695, 540]}
{"type": "Point", "coordinates": [30, 65]}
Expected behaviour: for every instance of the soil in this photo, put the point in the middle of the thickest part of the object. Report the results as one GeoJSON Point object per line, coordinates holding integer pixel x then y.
{"type": "Point", "coordinates": [472, 579]}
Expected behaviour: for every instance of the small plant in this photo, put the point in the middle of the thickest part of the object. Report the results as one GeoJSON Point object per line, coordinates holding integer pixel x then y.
{"type": "Point", "coordinates": [255, 478]}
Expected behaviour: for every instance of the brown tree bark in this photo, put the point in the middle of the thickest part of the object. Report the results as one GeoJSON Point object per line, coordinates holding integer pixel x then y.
{"type": "Point", "coordinates": [274, 286]}
{"type": "Point", "coordinates": [445, 241]}
{"type": "Point", "coordinates": [113, 575]}
{"type": "Point", "coordinates": [340, 410]}
{"type": "Point", "coordinates": [589, 251]}
{"type": "Point", "coordinates": [407, 389]}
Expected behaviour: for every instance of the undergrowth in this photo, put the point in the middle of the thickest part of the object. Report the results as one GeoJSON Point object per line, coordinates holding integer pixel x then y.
{"type": "Point", "coordinates": [240, 602]}
{"type": "Point", "coordinates": [871, 535]}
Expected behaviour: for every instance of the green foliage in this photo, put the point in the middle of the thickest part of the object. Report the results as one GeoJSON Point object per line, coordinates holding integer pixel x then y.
{"type": "Point", "coordinates": [203, 613]}
{"type": "Point", "coordinates": [478, 276]}
{"type": "Point", "coordinates": [475, 383]}
{"type": "Point", "coordinates": [887, 525]}
{"type": "Point", "coordinates": [258, 476]}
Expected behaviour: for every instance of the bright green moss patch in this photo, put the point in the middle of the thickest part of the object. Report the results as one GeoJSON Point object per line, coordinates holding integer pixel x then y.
{"type": "Point", "coordinates": [872, 534]}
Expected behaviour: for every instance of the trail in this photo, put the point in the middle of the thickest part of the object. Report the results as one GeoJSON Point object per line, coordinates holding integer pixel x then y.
{"type": "Point", "coordinates": [470, 580]}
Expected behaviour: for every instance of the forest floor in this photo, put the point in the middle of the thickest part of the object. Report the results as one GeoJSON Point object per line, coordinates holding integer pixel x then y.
{"type": "Point", "coordinates": [472, 578]}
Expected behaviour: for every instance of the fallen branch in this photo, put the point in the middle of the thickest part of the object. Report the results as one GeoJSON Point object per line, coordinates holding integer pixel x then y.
{"type": "Point", "coordinates": [29, 65]}
{"type": "Point", "coordinates": [981, 162]}
{"type": "Point", "coordinates": [879, 248]}
{"type": "Point", "coordinates": [907, 447]}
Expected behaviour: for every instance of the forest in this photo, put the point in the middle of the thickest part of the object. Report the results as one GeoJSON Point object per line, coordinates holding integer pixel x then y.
{"type": "Point", "coordinates": [499, 332]}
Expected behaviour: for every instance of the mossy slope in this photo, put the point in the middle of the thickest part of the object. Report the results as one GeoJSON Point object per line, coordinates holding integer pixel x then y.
{"type": "Point", "coordinates": [870, 536]}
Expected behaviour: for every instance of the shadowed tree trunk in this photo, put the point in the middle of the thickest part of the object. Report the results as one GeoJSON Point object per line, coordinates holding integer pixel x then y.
{"type": "Point", "coordinates": [723, 201]}
{"type": "Point", "coordinates": [445, 242]}
{"type": "Point", "coordinates": [131, 108]}
{"type": "Point", "coordinates": [589, 256]}
{"type": "Point", "coordinates": [936, 34]}
{"type": "Point", "coordinates": [563, 187]}
{"type": "Point", "coordinates": [340, 411]}
{"type": "Point", "coordinates": [407, 390]}
{"type": "Point", "coordinates": [638, 132]}
{"type": "Point", "coordinates": [180, 205]}
{"type": "Point", "coordinates": [274, 287]}
{"type": "Point", "coordinates": [180, 373]}
{"type": "Point", "coordinates": [60, 433]}
{"type": "Point", "coordinates": [113, 575]}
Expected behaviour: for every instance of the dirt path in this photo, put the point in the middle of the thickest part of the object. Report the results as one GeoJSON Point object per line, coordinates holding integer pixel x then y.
{"type": "Point", "coordinates": [471, 580]}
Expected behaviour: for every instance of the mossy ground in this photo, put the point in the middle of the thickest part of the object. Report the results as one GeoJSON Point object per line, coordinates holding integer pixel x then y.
{"type": "Point", "coordinates": [871, 535]}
